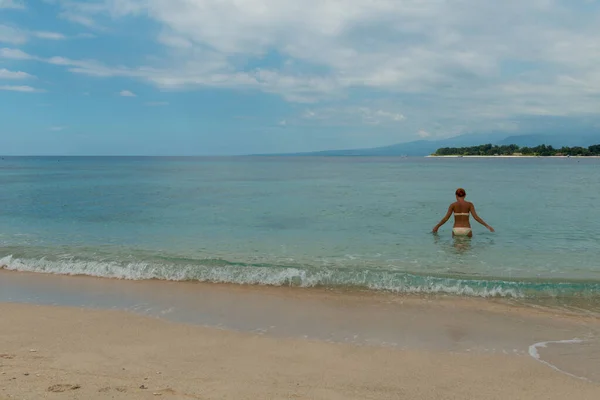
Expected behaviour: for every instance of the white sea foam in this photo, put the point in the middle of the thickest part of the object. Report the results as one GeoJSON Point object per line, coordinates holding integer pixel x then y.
{"type": "Point", "coordinates": [144, 270]}
{"type": "Point", "coordinates": [533, 352]}
{"type": "Point", "coordinates": [223, 272]}
{"type": "Point", "coordinates": [460, 287]}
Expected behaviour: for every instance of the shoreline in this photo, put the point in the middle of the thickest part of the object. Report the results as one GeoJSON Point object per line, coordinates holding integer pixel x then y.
{"type": "Point", "coordinates": [370, 321]}
{"type": "Point", "coordinates": [568, 305]}
{"type": "Point", "coordinates": [582, 292]}
{"type": "Point", "coordinates": [575, 305]}
{"type": "Point", "coordinates": [30, 281]}
{"type": "Point", "coordinates": [96, 354]}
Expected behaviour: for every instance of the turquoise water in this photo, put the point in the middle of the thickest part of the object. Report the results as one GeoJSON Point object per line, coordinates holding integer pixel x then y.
{"type": "Point", "coordinates": [357, 222]}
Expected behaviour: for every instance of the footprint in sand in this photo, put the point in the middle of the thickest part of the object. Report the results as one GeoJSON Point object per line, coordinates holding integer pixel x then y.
{"type": "Point", "coordinates": [121, 389]}
{"type": "Point", "coordinates": [62, 387]}
{"type": "Point", "coordinates": [159, 392]}
{"type": "Point", "coordinates": [7, 356]}
{"type": "Point", "coordinates": [165, 391]}
{"type": "Point", "coordinates": [170, 392]}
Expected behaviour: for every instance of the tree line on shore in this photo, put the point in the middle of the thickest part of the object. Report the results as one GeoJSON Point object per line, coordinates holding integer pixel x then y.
{"type": "Point", "coordinates": [513, 149]}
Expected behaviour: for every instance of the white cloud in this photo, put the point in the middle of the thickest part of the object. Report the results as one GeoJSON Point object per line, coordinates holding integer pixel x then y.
{"type": "Point", "coordinates": [12, 4]}
{"type": "Point", "coordinates": [14, 75]}
{"type": "Point", "coordinates": [24, 89]}
{"type": "Point", "coordinates": [376, 117]}
{"type": "Point", "coordinates": [423, 134]}
{"type": "Point", "coordinates": [15, 54]}
{"type": "Point", "coordinates": [49, 35]}
{"type": "Point", "coordinates": [457, 59]}
{"type": "Point", "coordinates": [195, 73]}
{"type": "Point", "coordinates": [126, 93]}
{"type": "Point", "coordinates": [79, 19]}
{"type": "Point", "coordinates": [12, 35]}
{"type": "Point", "coordinates": [16, 36]}
{"type": "Point", "coordinates": [309, 114]}
{"type": "Point", "coordinates": [174, 40]}
{"type": "Point", "coordinates": [283, 122]}
{"type": "Point", "coordinates": [353, 115]}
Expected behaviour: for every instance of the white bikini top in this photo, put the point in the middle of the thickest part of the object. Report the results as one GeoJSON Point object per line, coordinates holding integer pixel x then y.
{"type": "Point", "coordinates": [461, 213]}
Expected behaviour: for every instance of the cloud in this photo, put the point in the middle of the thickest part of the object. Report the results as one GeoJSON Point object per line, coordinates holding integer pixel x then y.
{"type": "Point", "coordinates": [353, 115]}
{"type": "Point", "coordinates": [196, 73]}
{"type": "Point", "coordinates": [174, 40]}
{"type": "Point", "coordinates": [447, 66]}
{"type": "Point", "coordinates": [23, 89]}
{"type": "Point", "coordinates": [12, 4]}
{"type": "Point", "coordinates": [157, 103]}
{"type": "Point", "coordinates": [82, 13]}
{"type": "Point", "coordinates": [329, 40]}
{"type": "Point", "coordinates": [14, 75]}
{"type": "Point", "coordinates": [12, 35]}
{"type": "Point", "coordinates": [423, 134]}
{"type": "Point", "coordinates": [126, 93]}
{"type": "Point", "coordinates": [49, 35]}
{"type": "Point", "coordinates": [78, 19]}
{"type": "Point", "coordinates": [87, 67]}
{"type": "Point", "coordinates": [309, 114]}
{"type": "Point", "coordinates": [15, 36]}
{"type": "Point", "coordinates": [15, 54]}
{"type": "Point", "coordinates": [378, 116]}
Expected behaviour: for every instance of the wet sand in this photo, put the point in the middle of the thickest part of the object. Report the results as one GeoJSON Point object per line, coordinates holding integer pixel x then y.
{"type": "Point", "coordinates": [76, 353]}
{"type": "Point", "coordinates": [430, 322]}
{"type": "Point", "coordinates": [217, 341]}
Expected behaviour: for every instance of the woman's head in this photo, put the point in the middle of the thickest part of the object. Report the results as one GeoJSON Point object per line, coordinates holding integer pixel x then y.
{"type": "Point", "coordinates": [460, 192]}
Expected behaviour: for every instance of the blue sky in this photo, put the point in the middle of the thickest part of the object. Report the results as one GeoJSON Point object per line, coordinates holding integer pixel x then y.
{"type": "Point", "coordinates": [208, 77]}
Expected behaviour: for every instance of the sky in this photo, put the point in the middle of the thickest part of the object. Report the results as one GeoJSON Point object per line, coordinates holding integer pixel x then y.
{"type": "Point", "coordinates": [218, 77]}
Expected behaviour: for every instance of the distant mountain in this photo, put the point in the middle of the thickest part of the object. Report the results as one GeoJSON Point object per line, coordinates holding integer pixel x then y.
{"type": "Point", "coordinates": [415, 148]}
{"type": "Point", "coordinates": [426, 147]}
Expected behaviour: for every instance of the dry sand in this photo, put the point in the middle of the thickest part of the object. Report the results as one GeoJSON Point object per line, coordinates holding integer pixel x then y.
{"type": "Point", "coordinates": [71, 353]}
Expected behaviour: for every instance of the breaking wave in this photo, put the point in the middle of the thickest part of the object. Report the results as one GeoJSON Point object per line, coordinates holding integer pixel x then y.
{"type": "Point", "coordinates": [222, 271]}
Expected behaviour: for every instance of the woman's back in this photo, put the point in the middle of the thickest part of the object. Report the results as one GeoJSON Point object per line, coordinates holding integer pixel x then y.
{"type": "Point", "coordinates": [461, 209]}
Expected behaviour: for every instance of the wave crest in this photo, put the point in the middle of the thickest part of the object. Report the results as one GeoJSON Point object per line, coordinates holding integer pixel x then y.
{"type": "Point", "coordinates": [221, 271]}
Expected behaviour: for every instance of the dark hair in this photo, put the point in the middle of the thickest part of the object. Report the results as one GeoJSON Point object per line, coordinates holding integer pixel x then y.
{"type": "Point", "coordinates": [460, 192]}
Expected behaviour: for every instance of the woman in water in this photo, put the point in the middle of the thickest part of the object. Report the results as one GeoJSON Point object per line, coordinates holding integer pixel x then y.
{"type": "Point", "coordinates": [461, 209]}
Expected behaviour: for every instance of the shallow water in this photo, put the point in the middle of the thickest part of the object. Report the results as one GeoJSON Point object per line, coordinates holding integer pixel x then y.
{"type": "Point", "coordinates": [358, 222]}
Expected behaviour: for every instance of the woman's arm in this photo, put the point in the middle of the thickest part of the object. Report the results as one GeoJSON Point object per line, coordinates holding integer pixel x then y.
{"type": "Point", "coordinates": [446, 217]}
{"type": "Point", "coordinates": [478, 219]}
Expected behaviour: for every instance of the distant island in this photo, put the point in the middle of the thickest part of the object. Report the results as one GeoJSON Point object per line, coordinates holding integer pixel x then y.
{"type": "Point", "coordinates": [515, 151]}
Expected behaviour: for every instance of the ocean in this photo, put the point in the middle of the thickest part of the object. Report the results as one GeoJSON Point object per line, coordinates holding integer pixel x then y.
{"type": "Point", "coordinates": [341, 222]}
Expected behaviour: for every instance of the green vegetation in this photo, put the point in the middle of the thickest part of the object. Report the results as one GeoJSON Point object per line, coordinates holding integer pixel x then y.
{"type": "Point", "coordinates": [514, 150]}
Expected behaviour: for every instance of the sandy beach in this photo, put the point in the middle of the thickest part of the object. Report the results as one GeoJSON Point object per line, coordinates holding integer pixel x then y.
{"type": "Point", "coordinates": [74, 353]}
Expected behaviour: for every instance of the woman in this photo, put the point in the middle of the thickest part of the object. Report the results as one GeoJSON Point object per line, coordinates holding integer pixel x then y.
{"type": "Point", "coordinates": [461, 209]}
